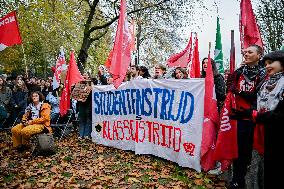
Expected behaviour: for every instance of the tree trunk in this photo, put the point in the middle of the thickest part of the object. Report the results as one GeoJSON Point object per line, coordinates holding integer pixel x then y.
{"type": "Point", "coordinates": [83, 54]}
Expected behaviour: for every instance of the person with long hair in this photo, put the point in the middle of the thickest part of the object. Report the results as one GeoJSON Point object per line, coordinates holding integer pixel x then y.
{"type": "Point", "coordinates": [219, 81]}
{"type": "Point", "coordinates": [35, 120]}
{"type": "Point", "coordinates": [5, 97]}
{"type": "Point", "coordinates": [268, 115]}
{"type": "Point", "coordinates": [19, 99]}
{"type": "Point", "coordinates": [144, 72]}
{"type": "Point", "coordinates": [180, 73]}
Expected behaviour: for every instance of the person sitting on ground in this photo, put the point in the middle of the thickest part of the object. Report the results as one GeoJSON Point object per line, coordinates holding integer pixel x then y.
{"type": "Point", "coordinates": [35, 120]}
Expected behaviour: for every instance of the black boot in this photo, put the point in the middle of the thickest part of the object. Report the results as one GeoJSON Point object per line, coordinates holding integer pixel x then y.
{"type": "Point", "coordinates": [22, 148]}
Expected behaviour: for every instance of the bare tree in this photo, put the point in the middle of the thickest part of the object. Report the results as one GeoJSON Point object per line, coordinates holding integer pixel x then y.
{"type": "Point", "coordinates": [271, 19]}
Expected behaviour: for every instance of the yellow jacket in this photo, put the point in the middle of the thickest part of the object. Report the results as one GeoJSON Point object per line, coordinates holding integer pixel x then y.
{"type": "Point", "coordinates": [44, 117]}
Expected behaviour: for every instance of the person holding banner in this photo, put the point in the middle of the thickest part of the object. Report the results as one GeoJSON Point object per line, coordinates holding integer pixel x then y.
{"type": "Point", "coordinates": [160, 71]}
{"type": "Point", "coordinates": [134, 72]}
{"type": "Point", "coordinates": [85, 112]}
{"type": "Point", "coordinates": [144, 72]}
{"type": "Point", "coordinates": [219, 82]}
{"type": "Point", "coordinates": [180, 73]}
{"type": "Point", "coordinates": [245, 82]}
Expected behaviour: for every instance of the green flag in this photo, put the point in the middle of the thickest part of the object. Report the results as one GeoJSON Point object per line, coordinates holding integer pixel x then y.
{"type": "Point", "coordinates": [218, 54]}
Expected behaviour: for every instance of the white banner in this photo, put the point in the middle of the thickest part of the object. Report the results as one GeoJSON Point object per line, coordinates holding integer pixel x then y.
{"type": "Point", "coordinates": [159, 117]}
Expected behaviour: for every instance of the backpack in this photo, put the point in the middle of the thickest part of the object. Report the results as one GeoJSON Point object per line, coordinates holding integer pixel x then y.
{"type": "Point", "coordinates": [43, 144]}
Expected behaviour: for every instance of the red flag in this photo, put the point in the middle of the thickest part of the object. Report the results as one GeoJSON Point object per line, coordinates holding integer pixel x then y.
{"type": "Point", "coordinates": [58, 69]}
{"type": "Point", "coordinates": [73, 76]}
{"type": "Point", "coordinates": [9, 31]}
{"type": "Point", "coordinates": [132, 31]}
{"type": "Point", "coordinates": [108, 61]}
{"type": "Point", "coordinates": [249, 31]}
{"type": "Point", "coordinates": [258, 138]}
{"type": "Point", "coordinates": [226, 145]}
{"type": "Point", "coordinates": [232, 53]}
{"type": "Point", "coordinates": [121, 56]}
{"type": "Point", "coordinates": [195, 65]}
{"type": "Point", "coordinates": [211, 120]}
{"type": "Point", "coordinates": [183, 58]}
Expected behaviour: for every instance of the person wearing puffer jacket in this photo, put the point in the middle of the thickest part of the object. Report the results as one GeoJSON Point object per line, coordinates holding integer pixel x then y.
{"type": "Point", "coordinates": [35, 120]}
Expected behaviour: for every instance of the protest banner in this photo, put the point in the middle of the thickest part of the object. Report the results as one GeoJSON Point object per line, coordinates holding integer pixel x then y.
{"type": "Point", "coordinates": [81, 92]}
{"type": "Point", "coordinates": [159, 117]}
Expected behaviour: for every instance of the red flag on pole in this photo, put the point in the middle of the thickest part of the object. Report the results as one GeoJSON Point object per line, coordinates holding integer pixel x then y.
{"type": "Point", "coordinates": [249, 31]}
{"type": "Point", "coordinates": [58, 69]}
{"type": "Point", "coordinates": [121, 56]}
{"type": "Point", "coordinates": [73, 76]}
{"type": "Point", "coordinates": [226, 145]}
{"type": "Point", "coordinates": [183, 58]}
{"type": "Point", "coordinates": [108, 61]}
{"type": "Point", "coordinates": [232, 53]}
{"type": "Point", "coordinates": [211, 120]}
{"type": "Point", "coordinates": [195, 65]}
{"type": "Point", "coordinates": [132, 32]}
{"type": "Point", "coordinates": [9, 31]}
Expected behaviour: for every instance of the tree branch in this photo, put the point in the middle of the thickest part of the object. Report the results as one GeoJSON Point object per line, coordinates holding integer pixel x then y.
{"type": "Point", "coordinates": [98, 37]}
{"type": "Point", "coordinates": [131, 12]}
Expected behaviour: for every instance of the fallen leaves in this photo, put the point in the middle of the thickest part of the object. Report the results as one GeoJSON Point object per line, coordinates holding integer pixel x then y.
{"type": "Point", "coordinates": [84, 164]}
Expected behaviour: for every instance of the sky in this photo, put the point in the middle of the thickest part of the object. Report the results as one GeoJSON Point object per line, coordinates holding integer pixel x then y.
{"type": "Point", "coordinates": [228, 11]}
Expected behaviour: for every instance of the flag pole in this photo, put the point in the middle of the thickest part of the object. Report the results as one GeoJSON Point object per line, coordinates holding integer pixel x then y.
{"type": "Point", "coordinates": [232, 53]}
{"type": "Point", "coordinates": [25, 60]}
{"type": "Point", "coordinates": [209, 47]}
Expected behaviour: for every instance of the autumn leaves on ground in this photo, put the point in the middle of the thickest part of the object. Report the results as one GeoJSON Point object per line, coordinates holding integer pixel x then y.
{"type": "Point", "coordinates": [84, 164]}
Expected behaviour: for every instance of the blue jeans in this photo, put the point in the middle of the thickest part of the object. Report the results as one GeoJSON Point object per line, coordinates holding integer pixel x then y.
{"type": "Point", "coordinates": [85, 125]}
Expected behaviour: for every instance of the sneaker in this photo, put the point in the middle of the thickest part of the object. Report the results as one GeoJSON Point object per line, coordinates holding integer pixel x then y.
{"type": "Point", "coordinates": [236, 185]}
{"type": "Point", "coordinates": [80, 138]}
{"type": "Point", "coordinates": [87, 137]}
{"type": "Point", "coordinates": [216, 171]}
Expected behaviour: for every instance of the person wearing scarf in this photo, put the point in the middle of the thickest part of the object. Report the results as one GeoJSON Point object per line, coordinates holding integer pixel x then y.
{"type": "Point", "coordinates": [268, 115]}
{"type": "Point", "coordinates": [245, 84]}
{"type": "Point", "coordinates": [35, 120]}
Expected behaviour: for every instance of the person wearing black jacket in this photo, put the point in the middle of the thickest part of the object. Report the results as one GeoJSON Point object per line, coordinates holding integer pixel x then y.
{"type": "Point", "coordinates": [19, 100]}
{"type": "Point", "coordinates": [219, 82]}
{"type": "Point", "coordinates": [269, 114]}
{"type": "Point", "coordinates": [244, 83]}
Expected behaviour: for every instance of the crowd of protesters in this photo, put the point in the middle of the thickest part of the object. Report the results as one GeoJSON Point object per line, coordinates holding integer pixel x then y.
{"type": "Point", "coordinates": [258, 85]}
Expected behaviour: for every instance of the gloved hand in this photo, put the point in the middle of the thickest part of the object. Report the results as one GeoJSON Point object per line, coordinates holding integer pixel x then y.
{"type": "Point", "coordinates": [241, 114]}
